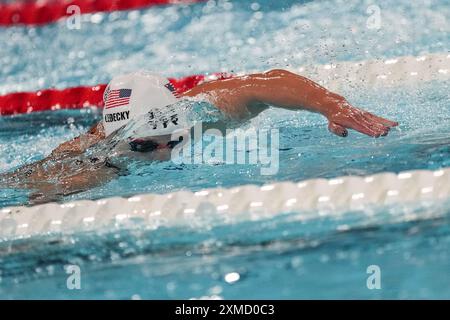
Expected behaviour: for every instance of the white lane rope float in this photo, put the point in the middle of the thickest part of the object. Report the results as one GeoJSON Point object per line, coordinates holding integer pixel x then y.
{"type": "Point", "coordinates": [344, 193]}
{"type": "Point", "coordinates": [399, 71]}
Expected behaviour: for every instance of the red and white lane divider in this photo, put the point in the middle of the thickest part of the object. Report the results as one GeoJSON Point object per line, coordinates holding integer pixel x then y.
{"type": "Point", "coordinates": [49, 11]}
{"type": "Point", "coordinates": [79, 97]}
{"type": "Point", "coordinates": [406, 70]}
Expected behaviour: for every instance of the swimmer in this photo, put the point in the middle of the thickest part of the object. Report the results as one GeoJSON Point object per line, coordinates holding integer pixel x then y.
{"type": "Point", "coordinates": [68, 169]}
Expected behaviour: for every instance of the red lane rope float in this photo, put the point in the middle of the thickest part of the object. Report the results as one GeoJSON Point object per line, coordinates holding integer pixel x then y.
{"type": "Point", "coordinates": [48, 11]}
{"type": "Point", "coordinates": [79, 97]}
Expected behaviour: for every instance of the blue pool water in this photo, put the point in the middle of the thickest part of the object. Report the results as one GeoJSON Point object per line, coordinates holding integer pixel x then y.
{"type": "Point", "coordinates": [281, 257]}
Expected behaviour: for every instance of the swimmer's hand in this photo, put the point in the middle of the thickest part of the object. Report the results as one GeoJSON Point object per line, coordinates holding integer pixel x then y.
{"type": "Point", "coordinates": [343, 116]}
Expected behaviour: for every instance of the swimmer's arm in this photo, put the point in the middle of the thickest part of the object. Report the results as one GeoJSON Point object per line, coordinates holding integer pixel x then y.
{"type": "Point", "coordinates": [81, 143]}
{"type": "Point", "coordinates": [78, 182]}
{"type": "Point", "coordinates": [248, 95]}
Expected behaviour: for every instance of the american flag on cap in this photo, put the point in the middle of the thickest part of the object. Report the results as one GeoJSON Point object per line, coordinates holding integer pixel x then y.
{"type": "Point", "coordinates": [117, 98]}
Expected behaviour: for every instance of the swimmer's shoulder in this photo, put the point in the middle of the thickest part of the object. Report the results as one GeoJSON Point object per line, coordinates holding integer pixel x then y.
{"type": "Point", "coordinates": [213, 86]}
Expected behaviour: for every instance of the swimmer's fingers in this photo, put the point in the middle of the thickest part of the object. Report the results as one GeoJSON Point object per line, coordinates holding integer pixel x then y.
{"type": "Point", "coordinates": [356, 121]}
{"type": "Point", "coordinates": [377, 128]}
{"type": "Point", "coordinates": [365, 122]}
{"type": "Point", "coordinates": [381, 120]}
{"type": "Point", "coordinates": [363, 129]}
{"type": "Point", "coordinates": [353, 118]}
{"type": "Point", "coordinates": [337, 129]}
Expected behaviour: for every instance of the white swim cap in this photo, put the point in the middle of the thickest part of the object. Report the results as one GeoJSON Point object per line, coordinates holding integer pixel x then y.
{"type": "Point", "coordinates": [133, 95]}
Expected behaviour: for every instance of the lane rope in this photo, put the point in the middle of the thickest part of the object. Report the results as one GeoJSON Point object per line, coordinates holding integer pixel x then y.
{"type": "Point", "coordinates": [250, 201]}
{"type": "Point", "coordinates": [79, 97]}
{"type": "Point", "coordinates": [312, 198]}
{"type": "Point", "coordinates": [48, 11]}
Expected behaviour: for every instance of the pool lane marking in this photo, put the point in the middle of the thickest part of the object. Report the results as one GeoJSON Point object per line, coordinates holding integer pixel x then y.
{"type": "Point", "coordinates": [312, 199]}
{"type": "Point", "coordinates": [40, 13]}
{"type": "Point", "coordinates": [80, 97]}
